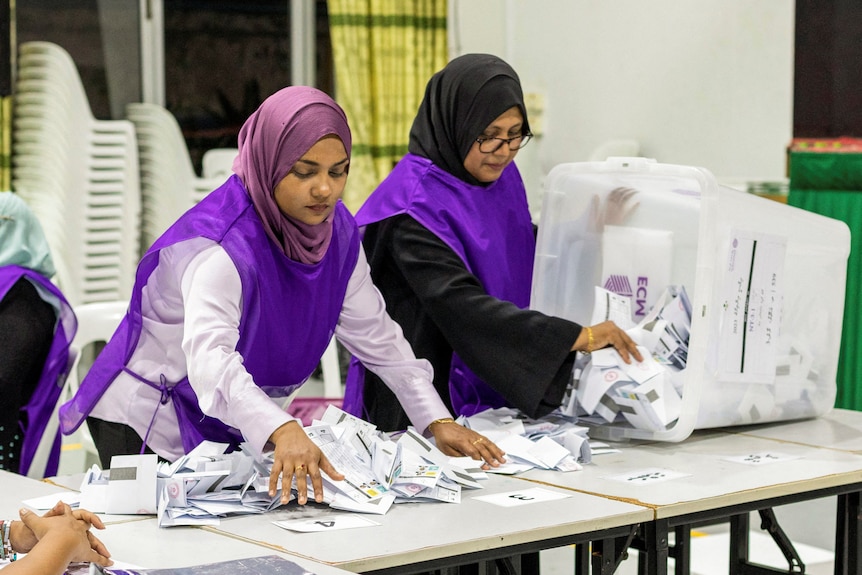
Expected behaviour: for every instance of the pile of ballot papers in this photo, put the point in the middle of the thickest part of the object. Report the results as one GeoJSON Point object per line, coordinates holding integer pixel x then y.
{"type": "Point", "coordinates": [378, 469]}
{"type": "Point", "coordinates": [647, 394]}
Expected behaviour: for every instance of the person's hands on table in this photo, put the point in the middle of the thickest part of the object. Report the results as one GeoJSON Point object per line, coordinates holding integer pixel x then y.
{"type": "Point", "coordinates": [297, 456]}
{"type": "Point", "coordinates": [456, 440]}
{"type": "Point", "coordinates": [23, 539]}
{"type": "Point", "coordinates": [62, 536]}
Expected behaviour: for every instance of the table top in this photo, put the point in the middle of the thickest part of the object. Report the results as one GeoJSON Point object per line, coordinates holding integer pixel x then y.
{"type": "Point", "coordinates": [838, 429]}
{"type": "Point", "coordinates": [137, 540]}
{"type": "Point", "coordinates": [144, 544]}
{"type": "Point", "coordinates": [713, 474]}
{"type": "Point", "coordinates": [711, 470]}
{"type": "Point", "coordinates": [417, 532]}
{"type": "Point", "coordinates": [16, 489]}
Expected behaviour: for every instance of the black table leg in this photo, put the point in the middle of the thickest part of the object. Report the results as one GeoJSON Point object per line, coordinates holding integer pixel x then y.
{"type": "Point", "coordinates": [848, 535]}
{"type": "Point", "coordinates": [655, 537]}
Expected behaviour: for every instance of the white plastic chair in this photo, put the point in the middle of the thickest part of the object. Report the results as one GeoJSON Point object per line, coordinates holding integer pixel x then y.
{"type": "Point", "coordinates": [96, 324]}
{"type": "Point", "coordinates": [169, 185]}
{"type": "Point", "coordinates": [331, 369]}
{"type": "Point", "coordinates": [79, 174]}
{"type": "Point", "coordinates": [218, 163]}
{"type": "Point", "coordinates": [43, 451]}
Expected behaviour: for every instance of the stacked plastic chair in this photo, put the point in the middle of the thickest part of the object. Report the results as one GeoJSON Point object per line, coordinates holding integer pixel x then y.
{"type": "Point", "coordinates": [169, 184]}
{"type": "Point", "coordinates": [78, 174]}
{"type": "Point", "coordinates": [218, 162]}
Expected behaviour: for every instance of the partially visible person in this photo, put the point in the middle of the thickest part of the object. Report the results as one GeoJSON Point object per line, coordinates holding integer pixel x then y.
{"type": "Point", "coordinates": [50, 542]}
{"type": "Point", "coordinates": [235, 304]}
{"type": "Point", "coordinates": [451, 244]}
{"type": "Point", "coordinates": [36, 327]}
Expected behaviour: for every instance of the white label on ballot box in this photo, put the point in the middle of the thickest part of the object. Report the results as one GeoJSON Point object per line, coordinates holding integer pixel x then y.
{"type": "Point", "coordinates": [751, 307]}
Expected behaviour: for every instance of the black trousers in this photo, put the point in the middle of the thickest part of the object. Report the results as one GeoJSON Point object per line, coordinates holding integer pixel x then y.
{"type": "Point", "coordinates": [26, 333]}
{"type": "Point", "coordinates": [114, 439]}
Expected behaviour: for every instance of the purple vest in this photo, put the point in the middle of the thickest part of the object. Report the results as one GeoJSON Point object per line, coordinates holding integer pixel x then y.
{"type": "Point", "coordinates": [40, 408]}
{"type": "Point", "coordinates": [289, 312]}
{"type": "Point", "coordinates": [490, 229]}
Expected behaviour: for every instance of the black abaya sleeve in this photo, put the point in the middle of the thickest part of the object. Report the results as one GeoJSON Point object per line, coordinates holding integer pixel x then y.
{"type": "Point", "coordinates": [523, 354]}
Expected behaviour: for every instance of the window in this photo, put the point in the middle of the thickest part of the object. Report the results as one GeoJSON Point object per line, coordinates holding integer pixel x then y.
{"type": "Point", "coordinates": [221, 58]}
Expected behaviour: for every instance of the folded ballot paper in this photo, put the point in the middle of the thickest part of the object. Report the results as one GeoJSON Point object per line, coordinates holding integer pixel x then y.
{"type": "Point", "coordinates": [646, 394]}
{"type": "Point", "coordinates": [379, 469]}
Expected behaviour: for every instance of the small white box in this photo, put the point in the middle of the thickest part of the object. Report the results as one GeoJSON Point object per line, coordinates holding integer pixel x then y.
{"type": "Point", "coordinates": [765, 280]}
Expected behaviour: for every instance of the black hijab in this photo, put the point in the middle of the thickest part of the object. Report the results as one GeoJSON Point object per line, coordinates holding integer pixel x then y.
{"type": "Point", "coordinates": [460, 101]}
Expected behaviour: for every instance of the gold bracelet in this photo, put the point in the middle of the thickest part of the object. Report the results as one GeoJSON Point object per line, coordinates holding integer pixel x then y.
{"type": "Point", "coordinates": [443, 420]}
{"type": "Point", "coordinates": [590, 340]}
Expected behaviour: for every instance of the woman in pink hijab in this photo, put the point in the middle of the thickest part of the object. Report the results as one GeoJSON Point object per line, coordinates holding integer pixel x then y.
{"type": "Point", "coordinates": [234, 305]}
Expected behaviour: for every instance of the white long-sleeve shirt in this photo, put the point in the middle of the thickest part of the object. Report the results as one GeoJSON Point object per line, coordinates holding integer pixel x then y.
{"type": "Point", "coordinates": [192, 305]}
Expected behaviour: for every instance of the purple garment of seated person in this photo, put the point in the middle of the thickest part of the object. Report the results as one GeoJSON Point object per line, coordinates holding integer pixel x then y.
{"type": "Point", "coordinates": [39, 410]}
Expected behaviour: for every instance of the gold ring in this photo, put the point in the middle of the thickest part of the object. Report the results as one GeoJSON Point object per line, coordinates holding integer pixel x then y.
{"type": "Point", "coordinates": [299, 468]}
{"type": "Point", "coordinates": [480, 440]}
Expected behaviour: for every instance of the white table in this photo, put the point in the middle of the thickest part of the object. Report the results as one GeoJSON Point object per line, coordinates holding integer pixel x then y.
{"type": "Point", "coordinates": [716, 488]}
{"type": "Point", "coordinates": [838, 429]}
{"type": "Point", "coordinates": [144, 544]}
{"type": "Point", "coordinates": [415, 537]}
{"type": "Point", "coordinates": [137, 539]}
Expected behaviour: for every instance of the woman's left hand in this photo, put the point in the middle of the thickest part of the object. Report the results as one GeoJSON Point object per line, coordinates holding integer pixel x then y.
{"type": "Point", "coordinates": [23, 539]}
{"type": "Point", "coordinates": [456, 440]}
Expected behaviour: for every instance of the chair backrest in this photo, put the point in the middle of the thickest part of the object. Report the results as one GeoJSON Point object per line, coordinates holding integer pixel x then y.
{"type": "Point", "coordinates": [39, 463]}
{"type": "Point", "coordinates": [218, 162]}
{"type": "Point", "coordinates": [96, 324]}
{"type": "Point", "coordinates": [331, 369]}
{"type": "Point", "coordinates": [169, 185]}
{"type": "Point", "coordinates": [79, 174]}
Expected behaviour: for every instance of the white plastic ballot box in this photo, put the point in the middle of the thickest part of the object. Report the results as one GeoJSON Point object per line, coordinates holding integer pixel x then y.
{"type": "Point", "coordinates": [765, 282]}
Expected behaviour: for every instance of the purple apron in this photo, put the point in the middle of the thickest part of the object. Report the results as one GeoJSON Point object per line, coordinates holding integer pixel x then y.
{"type": "Point", "coordinates": [490, 229]}
{"type": "Point", "coordinates": [41, 406]}
{"type": "Point", "coordinates": [289, 313]}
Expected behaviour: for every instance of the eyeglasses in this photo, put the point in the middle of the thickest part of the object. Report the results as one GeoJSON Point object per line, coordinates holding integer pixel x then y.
{"type": "Point", "coordinates": [490, 145]}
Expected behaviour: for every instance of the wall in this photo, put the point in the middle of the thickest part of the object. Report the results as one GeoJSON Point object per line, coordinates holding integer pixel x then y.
{"type": "Point", "coordinates": [706, 83]}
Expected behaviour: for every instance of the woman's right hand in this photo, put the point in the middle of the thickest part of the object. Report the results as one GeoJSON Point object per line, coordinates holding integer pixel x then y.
{"type": "Point", "coordinates": [64, 534]}
{"type": "Point", "coordinates": [23, 539]}
{"type": "Point", "coordinates": [297, 456]}
{"type": "Point", "coordinates": [607, 334]}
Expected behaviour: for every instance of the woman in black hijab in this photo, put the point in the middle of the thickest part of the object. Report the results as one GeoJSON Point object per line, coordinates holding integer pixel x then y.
{"type": "Point", "coordinates": [451, 244]}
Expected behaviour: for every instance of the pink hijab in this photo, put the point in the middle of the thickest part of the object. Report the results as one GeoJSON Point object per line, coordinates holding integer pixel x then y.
{"type": "Point", "coordinates": [275, 136]}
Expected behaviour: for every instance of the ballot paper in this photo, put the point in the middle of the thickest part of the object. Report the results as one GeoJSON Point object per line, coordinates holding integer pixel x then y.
{"type": "Point", "coordinates": [379, 470]}
{"type": "Point", "coordinates": [132, 484]}
{"type": "Point", "coordinates": [530, 447]}
{"type": "Point", "coordinates": [46, 502]}
{"type": "Point", "coordinates": [606, 389]}
{"type": "Point", "coordinates": [359, 483]}
{"type": "Point", "coordinates": [610, 306]}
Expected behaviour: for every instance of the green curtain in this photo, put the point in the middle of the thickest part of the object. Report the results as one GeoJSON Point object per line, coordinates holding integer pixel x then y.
{"type": "Point", "coordinates": [5, 143]}
{"type": "Point", "coordinates": [384, 52]}
{"type": "Point", "coordinates": [831, 184]}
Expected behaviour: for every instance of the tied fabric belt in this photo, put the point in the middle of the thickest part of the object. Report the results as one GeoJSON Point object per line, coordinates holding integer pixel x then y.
{"type": "Point", "coordinates": [167, 391]}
